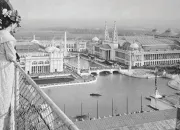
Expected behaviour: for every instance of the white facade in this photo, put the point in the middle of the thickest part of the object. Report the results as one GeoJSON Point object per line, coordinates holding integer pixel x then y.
{"type": "Point", "coordinates": [148, 52]}
{"type": "Point", "coordinates": [40, 60]}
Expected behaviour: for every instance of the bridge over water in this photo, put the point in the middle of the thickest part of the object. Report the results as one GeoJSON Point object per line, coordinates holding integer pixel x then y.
{"type": "Point", "coordinates": [96, 70]}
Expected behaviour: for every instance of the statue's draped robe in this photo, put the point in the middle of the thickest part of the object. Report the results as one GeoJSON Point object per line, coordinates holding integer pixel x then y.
{"type": "Point", "coordinates": [7, 56]}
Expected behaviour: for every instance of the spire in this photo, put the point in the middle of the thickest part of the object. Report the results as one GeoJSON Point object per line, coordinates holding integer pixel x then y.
{"type": "Point", "coordinates": [106, 32]}
{"type": "Point", "coordinates": [115, 35]}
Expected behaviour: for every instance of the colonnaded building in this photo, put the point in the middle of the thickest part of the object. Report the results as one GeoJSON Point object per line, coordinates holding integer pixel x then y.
{"type": "Point", "coordinates": [148, 52]}
{"type": "Point", "coordinates": [46, 56]}
{"type": "Point", "coordinates": [35, 58]}
{"type": "Point", "coordinates": [139, 51]}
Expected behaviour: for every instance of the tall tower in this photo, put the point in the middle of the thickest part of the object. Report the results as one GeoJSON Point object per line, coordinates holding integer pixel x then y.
{"type": "Point", "coordinates": [65, 44]}
{"type": "Point", "coordinates": [106, 33]}
{"type": "Point", "coordinates": [115, 34]}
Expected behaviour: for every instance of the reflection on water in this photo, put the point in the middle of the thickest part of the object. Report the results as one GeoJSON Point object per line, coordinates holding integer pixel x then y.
{"type": "Point", "coordinates": [115, 86]}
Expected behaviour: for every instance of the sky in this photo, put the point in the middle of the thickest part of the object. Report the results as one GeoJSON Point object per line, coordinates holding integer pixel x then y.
{"type": "Point", "coordinates": [87, 13]}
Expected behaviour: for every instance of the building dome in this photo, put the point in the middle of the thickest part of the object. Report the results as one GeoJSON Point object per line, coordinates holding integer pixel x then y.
{"type": "Point", "coordinates": [95, 39]}
{"type": "Point", "coordinates": [134, 46]}
{"type": "Point", "coordinates": [52, 49]}
{"type": "Point", "coordinates": [35, 41]}
{"type": "Point", "coordinates": [130, 46]}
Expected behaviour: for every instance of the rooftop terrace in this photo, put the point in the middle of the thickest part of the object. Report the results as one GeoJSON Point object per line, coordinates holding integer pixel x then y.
{"type": "Point", "coordinates": [157, 120]}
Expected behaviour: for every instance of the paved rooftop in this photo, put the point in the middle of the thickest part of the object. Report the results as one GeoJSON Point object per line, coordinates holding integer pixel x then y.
{"type": "Point", "coordinates": [157, 120]}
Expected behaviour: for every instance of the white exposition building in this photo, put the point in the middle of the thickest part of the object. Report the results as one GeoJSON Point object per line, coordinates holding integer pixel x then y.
{"type": "Point", "coordinates": [137, 51]}
{"type": "Point", "coordinates": [35, 58]}
{"type": "Point", "coordinates": [46, 56]}
{"type": "Point", "coordinates": [148, 52]}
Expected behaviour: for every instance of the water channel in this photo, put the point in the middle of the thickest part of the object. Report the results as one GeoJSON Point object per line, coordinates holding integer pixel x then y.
{"type": "Point", "coordinates": [113, 86]}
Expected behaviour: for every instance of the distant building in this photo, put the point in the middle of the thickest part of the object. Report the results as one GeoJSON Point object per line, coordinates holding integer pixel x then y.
{"type": "Point", "coordinates": [36, 58]}
{"type": "Point", "coordinates": [168, 34]}
{"type": "Point", "coordinates": [154, 33]}
{"type": "Point", "coordinates": [90, 45]}
{"type": "Point", "coordinates": [81, 46]}
{"type": "Point", "coordinates": [105, 49]}
{"type": "Point", "coordinates": [148, 52]}
{"type": "Point", "coordinates": [152, 49]}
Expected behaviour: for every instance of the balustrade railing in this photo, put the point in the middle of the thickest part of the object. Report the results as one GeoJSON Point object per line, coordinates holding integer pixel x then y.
{"type": "Point", "coordinates": [33, 109]}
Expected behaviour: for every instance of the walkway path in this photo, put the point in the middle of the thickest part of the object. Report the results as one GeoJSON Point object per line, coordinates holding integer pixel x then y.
{"type": "Point", "coordinates": [138, 73]}
{"type": "Point", "coordinates": [175, 83]}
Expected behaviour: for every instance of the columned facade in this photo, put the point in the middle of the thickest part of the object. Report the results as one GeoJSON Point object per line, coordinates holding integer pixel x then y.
{"type": "Point", "coordinates": [53, 62]}
{"type": "Point", "coordinates": [169, 58]}
{"type": "Point", "coordinates": [147, 58]}
{"type": "Point", "coordinates": [40, 69]}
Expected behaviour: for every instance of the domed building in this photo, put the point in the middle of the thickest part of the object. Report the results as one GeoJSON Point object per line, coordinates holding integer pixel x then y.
{"type": "Point", "coordinates": [36, 59]}
{"type": "Point", "coordinates": [131, 46]}
{"type": "Point", "coordinates": [148, 52]}
{"type": "Point", "coordinates": [168, 34]}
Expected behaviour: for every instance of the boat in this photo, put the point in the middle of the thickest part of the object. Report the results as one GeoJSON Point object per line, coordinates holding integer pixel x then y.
{"type": "Point", "coordinates": [81, 117]}
{"type": "Point", "coordinates": [148, 98]}
{"type": "Point", "coordinates": [95, 94]}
